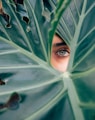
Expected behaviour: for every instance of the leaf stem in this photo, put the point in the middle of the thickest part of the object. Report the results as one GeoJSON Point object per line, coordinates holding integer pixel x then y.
{"type": "Point", "coordinates": [77, 111]}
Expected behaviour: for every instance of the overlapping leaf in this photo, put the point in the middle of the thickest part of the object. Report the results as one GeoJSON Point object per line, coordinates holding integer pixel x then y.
{"type": "Point", "coordinates": [77, 28]}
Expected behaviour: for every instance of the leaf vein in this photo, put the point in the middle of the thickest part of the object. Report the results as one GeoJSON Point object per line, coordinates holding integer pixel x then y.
{"type": "Point", "coordinates": [39, 33]}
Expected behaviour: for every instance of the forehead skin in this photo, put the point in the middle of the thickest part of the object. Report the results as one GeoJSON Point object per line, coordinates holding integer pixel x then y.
{"type": "Point", "coordinates": [56, 39]}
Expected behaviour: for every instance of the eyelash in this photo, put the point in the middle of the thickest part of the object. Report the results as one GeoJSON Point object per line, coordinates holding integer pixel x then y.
{"type": "Point", "coordinates": [62, 53]}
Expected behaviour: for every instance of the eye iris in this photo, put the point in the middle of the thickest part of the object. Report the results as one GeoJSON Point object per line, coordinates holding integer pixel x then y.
{"type": "Point", "coordinates": [62, 53]}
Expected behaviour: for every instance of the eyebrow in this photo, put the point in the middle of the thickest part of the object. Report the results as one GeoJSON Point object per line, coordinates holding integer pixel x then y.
{"type": "Point", "coordinates": [59, 44]}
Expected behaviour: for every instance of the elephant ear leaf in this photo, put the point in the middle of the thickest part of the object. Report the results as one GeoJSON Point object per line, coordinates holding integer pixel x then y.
{"type": "Point", "coordinates": [77, 28]}
{"type": "Point", "coordinates": [29, 87]}
{"type": "Point", "coordinates": [27, 82]}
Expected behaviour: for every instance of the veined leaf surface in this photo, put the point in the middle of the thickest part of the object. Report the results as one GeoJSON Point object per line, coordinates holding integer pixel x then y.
{"type": "Point", "coordinates": [33, 90]}
{"type": "Point", "coordinates": [77, 28]}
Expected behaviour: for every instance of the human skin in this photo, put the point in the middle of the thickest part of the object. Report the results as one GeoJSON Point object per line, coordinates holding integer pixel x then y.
{"type": "Point", "coordinates": [1, 10]}
{"type": "Point", "coordinates": [60, 54]}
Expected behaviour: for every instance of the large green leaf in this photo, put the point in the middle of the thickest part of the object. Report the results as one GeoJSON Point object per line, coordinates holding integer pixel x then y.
{"type": "Point", "coordinates": [31, 89]}
{"type": "Point", "coordinates": [27, 82]}
{"type": "Point", "coordinates": [77, 28]}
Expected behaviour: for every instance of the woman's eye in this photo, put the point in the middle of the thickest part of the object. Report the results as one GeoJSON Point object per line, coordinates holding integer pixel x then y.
{"type": "Point", "coordinates": [62, 53]}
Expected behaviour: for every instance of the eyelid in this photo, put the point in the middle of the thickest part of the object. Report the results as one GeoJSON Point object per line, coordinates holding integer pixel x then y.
{"type": "Point", "coordinates": [64, 48]}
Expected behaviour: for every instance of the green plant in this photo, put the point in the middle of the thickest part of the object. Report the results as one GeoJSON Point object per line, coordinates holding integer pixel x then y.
{"type": "Point", "coordinates": [29, 88]}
